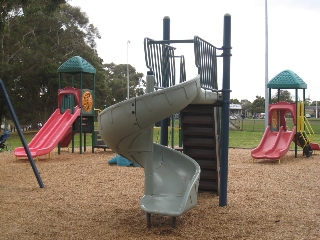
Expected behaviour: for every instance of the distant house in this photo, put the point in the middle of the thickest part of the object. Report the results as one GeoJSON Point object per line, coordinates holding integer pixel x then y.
{"type": "Point", "coordinates": [235, 109]}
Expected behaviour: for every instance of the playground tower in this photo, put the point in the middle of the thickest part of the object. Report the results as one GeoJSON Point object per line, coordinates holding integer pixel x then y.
{"type": "Point", "coordinates": [73, 73]}
{"type": "Point", "coordinates": [278, 136]}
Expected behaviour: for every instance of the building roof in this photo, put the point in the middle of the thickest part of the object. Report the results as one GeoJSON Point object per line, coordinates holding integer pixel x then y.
{"type": "Point", "coordinates": [287, 79]}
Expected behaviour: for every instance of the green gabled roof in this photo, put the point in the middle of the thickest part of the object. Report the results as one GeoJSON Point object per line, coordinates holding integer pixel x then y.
{"type": "Point", "coordinates": [76, 64]}
{"type": "Point", "coordinates": [287, 79]}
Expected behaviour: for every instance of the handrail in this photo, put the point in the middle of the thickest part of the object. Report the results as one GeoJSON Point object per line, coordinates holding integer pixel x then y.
{"type": "Point", "coordinates": [308, 129]}
{"type": "Point", "coordinates": [159, 57]}
{"type": "Point", "coordinates": [206, 62]}
{"type": "Point", "coordinates": [182, 69]}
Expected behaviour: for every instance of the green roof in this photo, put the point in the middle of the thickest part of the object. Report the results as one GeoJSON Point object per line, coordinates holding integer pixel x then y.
{"type": "Point", "coordinates": [287, 79]}
{"type": "Point", "coordinates": [76, 64]}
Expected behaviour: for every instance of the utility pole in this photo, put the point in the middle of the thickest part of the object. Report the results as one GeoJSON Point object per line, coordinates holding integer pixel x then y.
{"type": "Point", "coordinates": [266, 68]}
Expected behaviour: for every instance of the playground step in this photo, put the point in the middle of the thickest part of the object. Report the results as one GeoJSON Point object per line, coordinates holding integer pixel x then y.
{"type": "Point", "coordinates": [198, 119]}
{"type": "Point", "coordinates": [208, 185]}
{"type": "Point", "coordinates": [200, 153]}
{"type": "Point", "coordinates": [207, 164]}
{"type": "Point", "coordinates": [208, 175]}
{"type": "Point", "coordinates": [198, 131]}
{"type": "Point", "coordinates": [195, 108]}
{"type": "Point", "coordinates": [199, 142]}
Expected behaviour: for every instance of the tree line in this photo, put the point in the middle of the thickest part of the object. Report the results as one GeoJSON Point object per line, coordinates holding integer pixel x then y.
{"type": "Point", "coordinates": [36, 37]}
{"type": "Point", "coordinates": [258, 105]}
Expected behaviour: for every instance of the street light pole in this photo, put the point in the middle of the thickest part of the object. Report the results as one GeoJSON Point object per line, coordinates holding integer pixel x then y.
{"type": "Point", "coordinates": [266, 95]}
{"type": "Point", "coordinates": [128, 69]}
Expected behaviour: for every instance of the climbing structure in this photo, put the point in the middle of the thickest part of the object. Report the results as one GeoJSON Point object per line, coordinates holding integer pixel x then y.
{"type": "Point", "coordinates": [171, 177]}
{"type": "Point", "coordinates": [200, 121]}
{"type": "Point", "coordinates": [277, 138]}
{"type": "Point", "coordinates": [73, 73]}
{"type": "Point", "coordinates": [75, 112]}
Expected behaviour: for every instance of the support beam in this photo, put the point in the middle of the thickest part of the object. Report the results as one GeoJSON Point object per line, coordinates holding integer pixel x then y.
{"type": "Point", "coordinates": [16, 123]}
{"type": "Point", "coordinates": [225, 110]}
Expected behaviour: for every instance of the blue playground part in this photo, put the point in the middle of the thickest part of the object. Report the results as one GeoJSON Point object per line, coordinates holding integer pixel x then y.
{"type": "Point", "coordinates": [3, 139]}
{"type": "Point", "coordinates": [121, 161]}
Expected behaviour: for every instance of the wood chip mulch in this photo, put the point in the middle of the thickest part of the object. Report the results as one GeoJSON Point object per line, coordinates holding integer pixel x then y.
{"type": "Point", "coordinates": [86, 198]}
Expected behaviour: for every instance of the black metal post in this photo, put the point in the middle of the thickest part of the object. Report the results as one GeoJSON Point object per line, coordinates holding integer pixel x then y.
{"type": "Point", "coordinates": [16, 123]}
{"type": "Point", "coordinates": [296, 123]}
{"type": "Point", "coordinates": [164, 122]}
{"type": "Point", "coordinates": [225, 110]}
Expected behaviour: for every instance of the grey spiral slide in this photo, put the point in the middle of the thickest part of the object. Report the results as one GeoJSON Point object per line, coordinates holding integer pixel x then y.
{"type": "Point", "coordinates": [171, 177]}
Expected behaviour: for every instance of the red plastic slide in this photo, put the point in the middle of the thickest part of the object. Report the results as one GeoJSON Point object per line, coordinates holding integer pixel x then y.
{"type": "Point", "coordinates": [274, 145]}
{"type": "Point", "coordinates": [50, 134]}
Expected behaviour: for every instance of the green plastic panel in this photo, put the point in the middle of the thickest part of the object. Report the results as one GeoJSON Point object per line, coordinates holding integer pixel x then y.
{"type": "Point", "coordinates": [287, 79]}
{"type": "Point", "coordinates": [76, 64]}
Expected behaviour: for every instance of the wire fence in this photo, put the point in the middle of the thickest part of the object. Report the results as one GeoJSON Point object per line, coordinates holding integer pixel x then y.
{"type": "Point", "coordinates": [258, 125]}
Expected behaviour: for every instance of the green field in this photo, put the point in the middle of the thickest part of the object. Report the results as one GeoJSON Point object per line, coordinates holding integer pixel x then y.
{"type": "Point", "coordinates": [249, 137]}
{"type": "Point", "coordinates": [258, 125]}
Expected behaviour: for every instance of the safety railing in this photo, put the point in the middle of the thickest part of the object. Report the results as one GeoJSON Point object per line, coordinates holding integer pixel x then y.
{"type": "Point", "coordinates": [182, 69]}
{"type": "Point", "coordinates": [206, 62]}
{"type": "Point", "coordinates": [307, 129]}
{"type": "Point", "coordinates": [160, 59]}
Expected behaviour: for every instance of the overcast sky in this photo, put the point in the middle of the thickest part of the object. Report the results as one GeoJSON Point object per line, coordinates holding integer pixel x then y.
{"type": "Point", "coordinates": [293, 29]}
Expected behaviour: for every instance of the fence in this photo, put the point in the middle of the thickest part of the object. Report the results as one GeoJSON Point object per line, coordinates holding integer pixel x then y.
{"type": "Point", "coordinates": [258, 125]}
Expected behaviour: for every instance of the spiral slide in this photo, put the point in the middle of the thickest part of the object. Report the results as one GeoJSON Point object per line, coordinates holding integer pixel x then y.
{"type": "Point", "coordinates": [50, 134]}
{"type": "Point", "coordinates": [171, 177]}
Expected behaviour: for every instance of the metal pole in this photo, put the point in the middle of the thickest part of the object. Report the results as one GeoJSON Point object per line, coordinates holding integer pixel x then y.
{"type": "Point", "coordinates": [225, 110]}
{"type": "Point", "coordinates": [25, 145]}
{"type": "Point", "coordinates": [128, 95]}
{"type": "Point", "coordinates": [296, 123]}
{"type": "Point", "coordinates": [148, 168]}
{"type": "Point", "coordinates": [164, 122]}
{"type": "Point", "coordinates": [266, 68]}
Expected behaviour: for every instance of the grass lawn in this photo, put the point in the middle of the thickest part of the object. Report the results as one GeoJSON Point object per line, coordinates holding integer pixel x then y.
{"type": "Point", "coordinates": [237, 139]}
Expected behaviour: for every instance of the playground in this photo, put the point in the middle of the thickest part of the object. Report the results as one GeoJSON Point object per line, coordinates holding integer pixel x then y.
{"type": "Point", "coordinates": [186, 186]}
{"type": "Point", "coordinates": [266, 200]}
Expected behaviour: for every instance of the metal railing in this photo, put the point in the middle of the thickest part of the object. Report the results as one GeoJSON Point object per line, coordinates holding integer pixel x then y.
{"type": "Point", "coordinates": [183, 75]}
{"type": "Point", "coordinates": [160, 59]}
{"type": "Point", "coordinates": [206, 62]}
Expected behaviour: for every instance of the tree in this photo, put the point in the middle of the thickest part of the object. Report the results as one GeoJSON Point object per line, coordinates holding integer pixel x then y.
{"type": "Point", "coordinates": [116, 81]}
{"type": "Point", "coordinates": [284, 95]}
{"type": "Point", "coordinates": [234, 101]}
{"type": "Point", "coordinates": [314, 103]}
{"type": "Point", "coordinates": [246, 105]}
{"type": "Point", "coordinates": [8, 7]}
{"type": "Point", "coordinates": [36, 38]}
{"type": "Point", "coordinates": [258, 105]}
{"type": "Point", "coordinates": [22, 52]}
{"type": "Point", "coordinates": [309, 102]}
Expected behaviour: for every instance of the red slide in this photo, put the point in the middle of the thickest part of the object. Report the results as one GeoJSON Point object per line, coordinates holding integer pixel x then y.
{"type": "Point", "coordinates": [274, 145]}
{"type": "Point", "coordinates": [50, 134]}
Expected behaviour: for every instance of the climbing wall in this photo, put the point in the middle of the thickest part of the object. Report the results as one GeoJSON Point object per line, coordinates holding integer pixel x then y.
{"type": "Point", "coordinates": [200, 129]}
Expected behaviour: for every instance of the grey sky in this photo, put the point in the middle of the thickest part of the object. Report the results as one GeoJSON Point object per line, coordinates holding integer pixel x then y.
{"type": "Point", "coordinates": [294, 36]}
